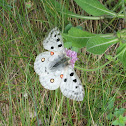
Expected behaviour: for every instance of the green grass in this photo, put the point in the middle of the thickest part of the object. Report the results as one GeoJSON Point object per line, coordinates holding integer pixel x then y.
{"type": "Point", "coordinates": [22, 32]}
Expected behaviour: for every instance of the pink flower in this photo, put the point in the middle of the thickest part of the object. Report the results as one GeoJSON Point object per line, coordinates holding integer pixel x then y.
{"type": "Point", "coordinates": [72, 55]}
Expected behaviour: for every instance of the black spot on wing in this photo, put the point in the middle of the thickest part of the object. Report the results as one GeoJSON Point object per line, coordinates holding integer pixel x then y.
{"type": "Point", "coordinates": [60, 45]}
{"type": "Point", "coordinates": [65, 80]}
{"type": "Point", "coordinates": [71, 74]}
{"type": "Point", "coordinates": [58, 40]}
{"type": "Point", "coordinates": [52, 47]}
{"type": "Point", "coordinates": [75, 80]}
{"type": "Point", "coordinates": [76, 87]}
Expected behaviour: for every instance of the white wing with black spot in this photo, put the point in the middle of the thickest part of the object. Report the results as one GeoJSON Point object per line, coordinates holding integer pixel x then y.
{"type": "Point", "coordinates": [54, 41]}
{"type": "Point", "coordinates": [71, 86]}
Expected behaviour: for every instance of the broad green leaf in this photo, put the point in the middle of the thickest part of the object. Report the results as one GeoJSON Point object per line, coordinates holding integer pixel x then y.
{"type": "Point", "coordinates": [75, 49]}
{"type": "Point", "coordinates": [80, 33]}
{"type": "Point", "coordinates": [68, 45]}
{"type": "Point", "coordinates": [94, 7]}
{"type": "Point", "coordinates": [98, 45]}
{"type": "Point", "coordinates": [116, 122]}
{"type": "Point", "coordinates": [77, 37]}
{"type": "Point", "coordinates": [121, 52]}
{"type": "Point", "coordinates": [108, 35]}
{"type": "Point", "coordinates": [122, 120]}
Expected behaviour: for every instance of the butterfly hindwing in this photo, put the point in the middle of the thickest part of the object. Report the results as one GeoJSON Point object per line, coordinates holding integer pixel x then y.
{"type": "Point", "coordinates": [50, 80]}
{"type": "Point", "coordinates": [71, 85]}
{"type": "Point", "coordinates": [54, 41]}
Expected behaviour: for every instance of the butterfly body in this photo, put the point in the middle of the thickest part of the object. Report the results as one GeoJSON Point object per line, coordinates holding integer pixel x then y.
{"type": "Point", "coordinates": [60, 63]}
{"type": "Point", "coordinates": [55, 70]}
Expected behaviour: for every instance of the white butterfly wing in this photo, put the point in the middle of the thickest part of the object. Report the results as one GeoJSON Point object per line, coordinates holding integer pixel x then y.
{"type": "Point", "coordinates": [54, 41]}
{"type": "Point", "coordinates": [42, 61]}
{"type": "Point", "coordinates": [51, 80]}
{"type": "Point", "coordinates": [71, 85]}
{"type": "Point", "coordinates": [48, 78]}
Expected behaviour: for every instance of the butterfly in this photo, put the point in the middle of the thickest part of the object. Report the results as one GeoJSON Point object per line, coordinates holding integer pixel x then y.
{"type": "Point", "coordinates": [55, 70]}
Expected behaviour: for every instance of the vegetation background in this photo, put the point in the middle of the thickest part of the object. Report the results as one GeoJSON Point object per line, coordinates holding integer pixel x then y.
{"type": "Point", "coordinates": [23, 101]}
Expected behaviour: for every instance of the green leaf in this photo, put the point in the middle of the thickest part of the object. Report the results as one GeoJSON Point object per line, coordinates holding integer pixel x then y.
{"type": "Point", "coordinates": [79, 27]}
{"type": "Point", "coordinates": [77, 37]}
{"type": "Point", "coordinates": [67, 28]}
{"type": "Point", "coordinates": [116, 122]}
{"type": "Point", "coordinates": [75, 49]}
{"type": "Point", "coordinates": [94, 7]}
{"type": "Point", "coordinates": [68, 45]}
{"type": "Point", "coordinates": [121, 52]}
{"type": "Point", "coordinates": [121, 121]}
{"type": "Point", "coordinates": [28, 4]}
{"type": "Point", "coordinates": [98, 45]}
{"type": "Point", "coordinates": [122, 34]}
{"type": "Point", "coordinates": [109, 57]}
{"type": "Point", "coordinates": [119, 112]}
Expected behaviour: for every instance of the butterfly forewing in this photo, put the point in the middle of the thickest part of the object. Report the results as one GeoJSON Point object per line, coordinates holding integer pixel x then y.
{"type": "Point", "coordinates": [44, 61]}
{"type": "Point", "coordinates": [54, 41]}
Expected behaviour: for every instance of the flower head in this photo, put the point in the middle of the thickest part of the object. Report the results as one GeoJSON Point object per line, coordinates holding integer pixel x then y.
{"type": "Point", "coordinates": [72, 55]}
